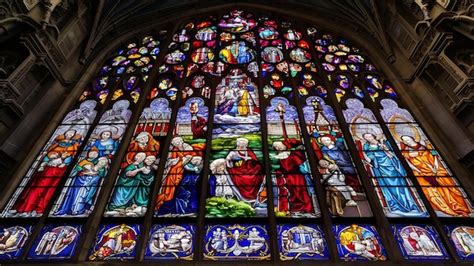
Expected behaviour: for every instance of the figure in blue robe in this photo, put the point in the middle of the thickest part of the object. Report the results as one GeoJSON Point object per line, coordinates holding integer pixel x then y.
{"type": "Point", "coordinates": [243, 56]}
{"type": "Point", "coordinates": [333, 148]}
{"type": "Point", "coordinates": [80, 195]}
{"type": "Point", "coordinates": [229, 105]}
{"type": "Point", "coordinates": [185, 201]}
{"type": "Point", "coordinates": [106, 145]}
{"type": "Point", "coordinates": [390, 175]}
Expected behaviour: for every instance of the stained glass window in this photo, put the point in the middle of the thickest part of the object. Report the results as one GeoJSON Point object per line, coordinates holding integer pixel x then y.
{"type": "Point", "coordinates": [238, 136]}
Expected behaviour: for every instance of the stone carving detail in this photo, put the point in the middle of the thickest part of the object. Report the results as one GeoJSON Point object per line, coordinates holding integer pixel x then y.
{"type": "Point", "coordinates": [425, 7]}
{"type": "Point", "coordinates": [423, 47]}
{"type": "Point", "coordinates": [449, 65]}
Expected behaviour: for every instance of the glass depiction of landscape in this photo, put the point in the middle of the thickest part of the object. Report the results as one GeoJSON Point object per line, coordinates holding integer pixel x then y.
{"type": "Point", "coordinates": [240, 127]}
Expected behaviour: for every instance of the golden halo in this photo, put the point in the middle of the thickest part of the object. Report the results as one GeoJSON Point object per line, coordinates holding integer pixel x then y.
{"type": "Point", "coordinates": [395, 129]}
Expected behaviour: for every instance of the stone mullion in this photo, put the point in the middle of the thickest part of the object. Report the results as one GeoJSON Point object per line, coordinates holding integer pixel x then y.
{"type": "Point", "coordinates": [95, 218]}
{"type": "Point", "coordinates": [200, 228]}
{"type": "Point", "coordinates": [272, 223]}
{"type": "Point", "coordinates": [201, 219]}
{"type": "Point", "coordinates": [378, 214]}
{"type": "Point", "coordinates": [434, 219]}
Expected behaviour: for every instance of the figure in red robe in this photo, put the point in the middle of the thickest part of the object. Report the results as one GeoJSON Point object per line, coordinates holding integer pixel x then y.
{"type": "Point", "coordinates": [245, 170]}
{"type": "Point", "coordinates": [116, 241]}
{"type": "Point", "coordinates": [43, 183]}
{"type": "Point", "coordinates": [293, 195]}
{"type": "Point", "coordinates": [46, 178]}
{"type": "Point", "coordinates": [198, 123]}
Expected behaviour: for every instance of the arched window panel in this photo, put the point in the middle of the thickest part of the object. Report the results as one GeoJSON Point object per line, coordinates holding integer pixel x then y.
{"type": "Point", "coordinates": [344, 63]}
{"type": "Point", "coordinates": [38, 185]}
{"type": "Point", "coordinates": [293, 190]}
{"type": "Point", "coordinates": [46, 173]}
{"type": "Point", "coordinates": [79, 194]}
{"type": "Point", "coordinates": [438, 183]}
{"type": "Point", "coordinates": [347, 237]}
{"type": "Point", "coordinates": [432, 173]}
{"type": "Point", "coordinates": [398, 196]}
{"type": "Point", "coordinates": [178, 195]}
{"type": "Point", "coordinates": [236, 242]}
{"type": "Point", "coordinates": [311, 244]}
{"type": "Point", "coordinates": [419, 242]}
{"type": "Point", "coordinates": [397, 193]}
{"type": "Point", "coordinates": [55, 242]}
{"type": "Point", "coordinates": [14, 249]}
{"type": "Point", "coordinates": [462, 238]}
{"type": "Point", "coordinates": [335, 164]}
{"type": "Point", "coordinates": [237, 169]}
{"type": "Point", "coordinates": [110, 236]}
{"type": "Point", "coordinates": [132, 190]}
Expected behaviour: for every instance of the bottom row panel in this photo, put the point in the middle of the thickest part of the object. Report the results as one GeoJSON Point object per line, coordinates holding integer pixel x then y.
{"type": "Point", "coordinates": [234, 242]}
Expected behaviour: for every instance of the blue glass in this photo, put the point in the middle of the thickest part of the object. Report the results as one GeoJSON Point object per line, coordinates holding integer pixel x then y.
{"type": "Point", "coordinates": [358, 242]}
{"type": "Point", "coordinates": [55, 242]}
{"type": "Point", "coordinates": [115, 242]}
{"type": "Point", "coordinates": [462, 238]}
{"type": "Point", "coordinates": [419, 242]}
{"type": "Point", "coordinates": [301, 242]}
{"type": "Point", "coordinates": [171, 242]}
{"type": "Point", "coordinates": [236, 242]}
{"type": "Point", "coordinates": [12, 240]}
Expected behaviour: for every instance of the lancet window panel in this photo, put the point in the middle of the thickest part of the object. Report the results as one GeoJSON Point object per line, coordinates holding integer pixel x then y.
{"type": "Point", "coordinates": [238, 136]}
